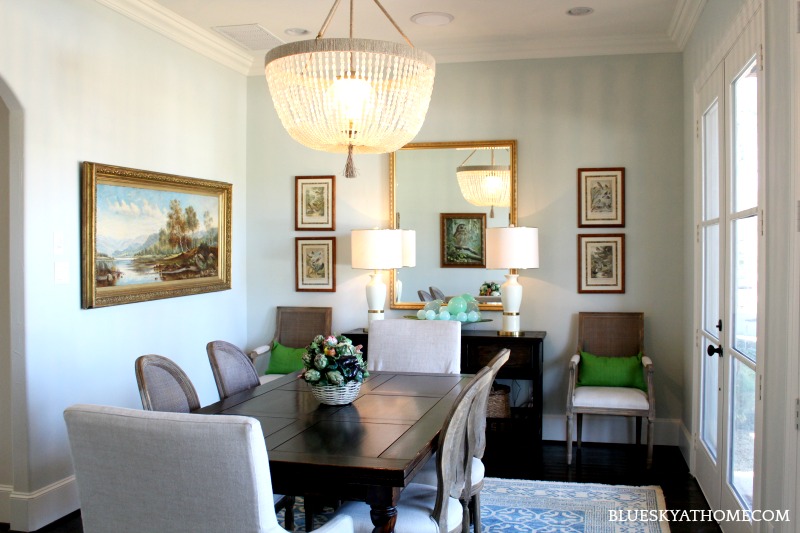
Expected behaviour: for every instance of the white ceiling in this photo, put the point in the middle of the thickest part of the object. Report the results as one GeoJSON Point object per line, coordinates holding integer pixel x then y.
{"type": "Point", "coordinates": [482, 30]}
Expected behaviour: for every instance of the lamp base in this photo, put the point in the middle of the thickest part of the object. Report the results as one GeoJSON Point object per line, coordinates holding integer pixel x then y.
{"type": "Point", "coordinates": [511, 333]}
{"type": "Point", "coordinates": [373, 315]}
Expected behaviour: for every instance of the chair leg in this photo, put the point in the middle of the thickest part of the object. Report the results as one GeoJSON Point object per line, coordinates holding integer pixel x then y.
{"type": "Point", "coordinates": [569, 440]}
{"type": "Point", "coordinates": [288, 515]}
{"type": "Point", "coordinates": [638, 430]}
{"type": "Point", "coordinates": [309, 505]}
{"type": "Point", "coordinates": [649, 442]}
{"type": "Point", "coordinates": [475, 503]}
{"type": "Point", "coordinates": [580, 428]}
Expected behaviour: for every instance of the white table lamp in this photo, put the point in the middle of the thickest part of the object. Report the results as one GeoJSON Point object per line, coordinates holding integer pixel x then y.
{"type": "Point", "coordinates": [376, 249]}
{"type": "Point", "coordinates": [512, 248]}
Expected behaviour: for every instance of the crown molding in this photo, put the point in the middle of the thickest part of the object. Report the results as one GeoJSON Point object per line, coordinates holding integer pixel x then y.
{"type": "Point", "coordinates": [180, 30]}
{"type": "Point", "coordinates": [532, 49]}
{"type": "Point", "coordinates": [684, 18]}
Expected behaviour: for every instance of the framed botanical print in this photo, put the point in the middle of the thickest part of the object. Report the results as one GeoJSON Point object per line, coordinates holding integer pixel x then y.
{"type": "Point", "coordinates": [315, 264]}
{"type": "Point", "coordinates": [148, 235]}
{"type": "Point", "coordinates": [601, 197]}
{"type": "Point", "coordinates": [463, 240]}
{"type": "Point", "coordinates": [315, 203]}
{"type": "Point", "coordinates": [601, 263]}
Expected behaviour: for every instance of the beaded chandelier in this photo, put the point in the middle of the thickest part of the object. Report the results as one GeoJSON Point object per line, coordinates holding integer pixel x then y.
{"type": "Point", "coordinates": [350, 95]}
{"type": "Point", "coordinates": [485, 185]}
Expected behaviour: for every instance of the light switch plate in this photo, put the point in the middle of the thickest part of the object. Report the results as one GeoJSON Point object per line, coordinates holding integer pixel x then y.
{"type": "Point", "coordinates": [61, 272]}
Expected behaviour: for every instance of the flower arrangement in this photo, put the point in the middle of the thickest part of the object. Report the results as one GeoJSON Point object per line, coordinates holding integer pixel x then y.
{"type": "Point", "coordinates": [489, 288]}
{"type": "Point", "coordinates": [333, 360]}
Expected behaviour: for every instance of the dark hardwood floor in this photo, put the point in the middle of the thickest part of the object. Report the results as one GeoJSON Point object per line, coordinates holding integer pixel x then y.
{"type": "Point", "coordinates": [616, 464]}
{"type": "Point", "coordinates": [612, 464]}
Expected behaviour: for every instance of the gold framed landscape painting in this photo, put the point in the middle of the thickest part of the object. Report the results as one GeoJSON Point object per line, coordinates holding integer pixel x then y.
{"type": "Point", "coordinates": [601, 263]}
{"type": "Point", "coordinates": [315, 264]}
{"type": "Point", "coordinates": [148, 235]}
{"type": "Point", "coordinates": [315, 203]}
{"type": "Point", "coordinates": [601, 197]}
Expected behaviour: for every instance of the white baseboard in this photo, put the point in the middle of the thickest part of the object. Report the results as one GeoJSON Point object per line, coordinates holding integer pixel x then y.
{"type": "Point", "coordinates": [618, 429]}
{"type": "Point", "coordinates": [685, 444]}
{"type": "Point", "coordinates": [5, 506]}
{"type": "Point", "coordinates": [34, 510]}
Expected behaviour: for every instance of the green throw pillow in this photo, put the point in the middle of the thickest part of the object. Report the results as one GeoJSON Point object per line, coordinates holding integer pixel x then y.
{"type": "Point", "coordinates": [611, 371]}
{"type": "Point", "coordinates": [285, 360]}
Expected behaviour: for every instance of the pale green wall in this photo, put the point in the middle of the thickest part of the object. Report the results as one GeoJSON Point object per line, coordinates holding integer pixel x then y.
{"type": "Point", "coordinates": [565, 114]}
{"type": "Point", "coordinates": [95, 86]}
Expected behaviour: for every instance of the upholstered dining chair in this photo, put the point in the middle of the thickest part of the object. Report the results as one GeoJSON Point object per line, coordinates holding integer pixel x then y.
{"type": "Point", "coordinates": [437, 293]}
{"type": "Point", "coordinates": [405, 345]}
{"type": "Point", "coordinates": [164, 386]}
{"type": "Point", "coordinates": [610, 374]}
{"type": "Point", "coordinates": [437, 509]}
{"type": "Point", "coordinates": [234, 372]}
{"type": "Point", "coordinates": [173, 472]}
{"type": "Point", "coordinates": [232, 368]}
{"type": "Point", "coordinates": [477, 431]}
{"type": "Point", "coordinates": [424, 296]}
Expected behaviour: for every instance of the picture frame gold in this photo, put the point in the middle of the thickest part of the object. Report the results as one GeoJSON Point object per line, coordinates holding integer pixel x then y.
{"type": "Point", "coordinates": [315, 264]}
{"type": "Point", "coordinates": [601, 197]}
{"type": "Point", "coordinates": [601, 263]}
{"type": "Point", "coordinates": [315, 203]}
{"type": "Point", "coordinates": [463, 240]}
{"type": "Point", "coordinates": [149, 235]}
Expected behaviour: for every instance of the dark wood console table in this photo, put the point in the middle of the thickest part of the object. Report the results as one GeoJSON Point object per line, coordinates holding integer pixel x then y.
{"type": "Point", "coordinates": [508, 439]}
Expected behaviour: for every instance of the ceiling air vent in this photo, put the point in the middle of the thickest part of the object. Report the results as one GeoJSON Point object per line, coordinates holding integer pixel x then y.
{"type": "Point", "coordinates": [250, 36]}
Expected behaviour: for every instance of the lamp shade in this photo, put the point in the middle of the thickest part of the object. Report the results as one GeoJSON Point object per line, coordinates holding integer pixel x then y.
{"type": "Point", "coordinates": [409, 248]}
{"type": "Point", "coordinates": [376, 249]}
{"type": "Point", "coordinates": [360, 95]}
{"type": "Point", "coordinates": [512, 247]}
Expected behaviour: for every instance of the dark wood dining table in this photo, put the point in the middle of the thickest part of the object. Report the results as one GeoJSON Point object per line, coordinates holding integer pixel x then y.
{"type": "Point", "coordinates": [368, 450]}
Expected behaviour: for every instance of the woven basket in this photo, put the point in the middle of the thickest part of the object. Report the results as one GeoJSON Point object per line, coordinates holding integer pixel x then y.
{"type": "Point", "coordinates": [498, 406]}
{"type": "Point", "coordinates": [335, 394]}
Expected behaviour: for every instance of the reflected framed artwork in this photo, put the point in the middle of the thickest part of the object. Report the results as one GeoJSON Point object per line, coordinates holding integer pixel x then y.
{"type": "Point", "coordinates": [148, 235]}
{"type": "Point", "coordinates": [601, 263]}
{"type": "Point", "coordinates": [315, 203]}
{"type": "Point", "coordinates": [315, 264]}
{"type": "Point", "coordinates": [601, 197]}
{"type": "Point", "coordinates": [463, 240]}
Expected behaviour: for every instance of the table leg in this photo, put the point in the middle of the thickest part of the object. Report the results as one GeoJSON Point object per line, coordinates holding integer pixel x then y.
{"type": "Point", "coordinates": [383, 518]}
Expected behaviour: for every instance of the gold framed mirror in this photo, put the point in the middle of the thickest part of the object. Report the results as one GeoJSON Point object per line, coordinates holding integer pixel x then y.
{"type": "Point", "coordinates": [425, 195]}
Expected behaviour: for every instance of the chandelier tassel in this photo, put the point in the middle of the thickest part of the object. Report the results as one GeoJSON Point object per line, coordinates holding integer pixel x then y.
{"type": "Point", "coordinates": [349, 167]}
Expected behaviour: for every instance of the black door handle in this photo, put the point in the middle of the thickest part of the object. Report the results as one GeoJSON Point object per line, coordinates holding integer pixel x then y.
{"type": "Point", "coordinates": [711, 350]}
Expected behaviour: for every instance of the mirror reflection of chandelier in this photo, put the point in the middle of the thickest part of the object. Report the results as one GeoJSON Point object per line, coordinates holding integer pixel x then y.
{"type": "Point", "coordinates": [485, 185]}
{"type": "Point", "coordinates": [350, 95]}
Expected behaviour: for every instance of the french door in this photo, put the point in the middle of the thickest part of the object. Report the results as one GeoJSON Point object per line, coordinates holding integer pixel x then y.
{"type": "Point", "coordinates": [729, 250]}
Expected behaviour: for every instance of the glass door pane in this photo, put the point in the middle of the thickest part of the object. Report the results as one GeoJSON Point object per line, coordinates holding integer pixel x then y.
{"type": "Point", "coordinates": [745, 286]}
{"type": "Point", "coordinates": [743, 432]}
{"type": "Point", "coordinates": [745, 139]}
{"type": "Point", "coordinates": [711, 313]}
{"type": "Point", "coordinates": [709, 414]}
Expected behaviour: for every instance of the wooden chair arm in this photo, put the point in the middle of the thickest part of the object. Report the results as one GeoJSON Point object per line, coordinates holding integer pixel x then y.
{"type": "Point", "coordinates": [259, 350]}
{"type": "Point", "coordinates": [573, 379]}
{"type": "Point", "coordinates": [647, 368]}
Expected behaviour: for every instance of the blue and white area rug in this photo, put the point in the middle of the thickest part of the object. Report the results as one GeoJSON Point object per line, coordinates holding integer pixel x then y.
{"type": "Point", "coordinates": [524, 506]}
{"type": "Point", "coordinates": [544, 506]}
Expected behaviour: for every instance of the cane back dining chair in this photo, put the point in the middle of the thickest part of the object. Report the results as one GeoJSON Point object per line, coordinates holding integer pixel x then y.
{"type": "Point", "coordinates": [403, 345]}
{"type": "Point", "coordinates": [164, 386]}
{"type": "Point", "coordinates": [296, 327]}
{"type": "Point", "coordinates": [610, 374]}
{"type": "Point", "coordinates": [477, 431]}
{"type": "Point", "coordinates": [172, 472]}
{"type": "Point", "coordinates": [233, 370]}
{"type": "Point", "coordinates": [437, 509]}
